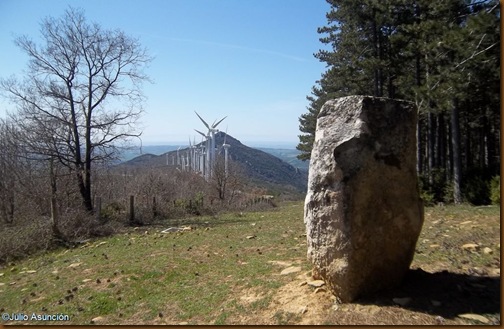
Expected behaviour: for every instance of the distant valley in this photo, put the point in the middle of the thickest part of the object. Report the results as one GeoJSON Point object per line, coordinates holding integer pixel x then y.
{"type": "Point", "coordinates": [287, 155]}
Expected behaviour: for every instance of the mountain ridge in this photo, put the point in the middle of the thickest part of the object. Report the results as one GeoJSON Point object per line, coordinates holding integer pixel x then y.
{"type": "Point", "coordinates": [259, 166]}
{"type": "Point", "coordinates": [288, 155]}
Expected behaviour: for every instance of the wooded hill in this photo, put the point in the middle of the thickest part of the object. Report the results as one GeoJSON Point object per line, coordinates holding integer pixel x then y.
{"type": "Point", "coordinates": [442, 55]}
{"type": "Point", "coordinates": [261, 168]}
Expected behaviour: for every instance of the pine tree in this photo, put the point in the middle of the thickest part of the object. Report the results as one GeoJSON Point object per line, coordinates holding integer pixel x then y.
{"type": "Point", "coordinates": [358, 35]}
{"type": "Point", "coordinates": [444, 56]}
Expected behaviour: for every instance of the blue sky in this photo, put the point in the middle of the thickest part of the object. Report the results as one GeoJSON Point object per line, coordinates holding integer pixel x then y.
{"type": "Point", "coordinates": [249, 60]}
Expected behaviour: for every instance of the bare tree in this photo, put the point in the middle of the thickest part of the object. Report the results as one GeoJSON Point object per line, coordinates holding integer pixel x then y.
{"type": "Point", "coordinates": [19, 177]}
{"type": "Point", "coordinates": [9, 171]}
{"type": "Point", "coordinates": [82, 94]}
{"type": "Point", "coordinates": [226, 182]}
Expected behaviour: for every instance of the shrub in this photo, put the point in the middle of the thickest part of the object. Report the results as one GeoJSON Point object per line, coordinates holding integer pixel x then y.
{"type": "Point", "coordinates": [76, 225]}
{"type": "Point", "coordinates": [113, 210]}
{"type": "Point", "coordinates": [439, 186]}
{"type": "Point", "coordinates": [427, 197]}
{"type": "Point", "coordinates": [475, 187]}
{"type": "Point", "coordinates": [448, 193]}
{"type": "Point", "coordinates": [20, 241]}
{"type": "Point", "coordinates": [425, 194]}
{"type": "Point", "coordinates": [495, 190]}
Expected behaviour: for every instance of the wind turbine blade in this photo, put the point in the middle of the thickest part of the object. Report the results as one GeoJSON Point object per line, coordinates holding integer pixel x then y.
{"type": "Point", "coordinates": [225, 135]}
{"type": "Point", "coordinates": [202, 120]}
{"type": "Point", "coordinates": [216, 124]}
{"type": "Point", "coordinates": [199, 132]}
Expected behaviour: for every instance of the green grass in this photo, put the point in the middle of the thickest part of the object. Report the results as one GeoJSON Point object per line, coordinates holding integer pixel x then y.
{"type": "Point", "coordinates": [447, 229]}
{"type": "Point", "coordinates": [199, 276]}
{"type": "Point", "coordinates": [146, 276]}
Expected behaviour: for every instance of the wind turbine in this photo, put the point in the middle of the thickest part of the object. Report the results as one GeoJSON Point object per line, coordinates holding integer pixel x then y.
{"type": "Point", "coordinates": [178, 156]}
{"type": "Point", "coordinates": [190, 152]}
{"type": "Point", "coordinates": [211, 132]}
{"type": "Point", "coordinates": [226, 148]}
{"type": "Point", "coordinates": [194, 159]}
{"type": "Point", "coordinates": [206, 162]}
{"type": "Point", "coordinates": [183, 160]}
{"type": "Point", "coordinates": [202, 157]}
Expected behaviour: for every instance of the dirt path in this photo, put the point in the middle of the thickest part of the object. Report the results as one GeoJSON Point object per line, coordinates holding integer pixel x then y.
{"type": "Point", "coordinates": [440, 298]}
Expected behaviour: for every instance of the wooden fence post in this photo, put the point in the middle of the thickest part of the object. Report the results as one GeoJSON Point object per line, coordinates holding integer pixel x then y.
{"type": "Point", "coordinates": [154, 207]}
{"type": "Point", "coordinates": [98, 208]}
{"type": "Point", "coordinates": [132, 209]}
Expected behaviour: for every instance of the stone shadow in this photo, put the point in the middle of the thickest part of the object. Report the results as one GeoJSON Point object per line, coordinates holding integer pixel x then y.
{"type": "Point", "coordinates": [443, 293]}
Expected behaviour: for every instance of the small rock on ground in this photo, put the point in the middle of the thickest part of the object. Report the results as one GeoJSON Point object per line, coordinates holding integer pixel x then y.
{"type": "Point", "coordinates": [476, 317]}
{"type": "Point", "coordinates": [470, 246]}
{"type": "Point", "coordinates": [487, 251]}
{"type": "Point", "coordinates": [292, 269]}
{"type": "Point", "coordinates": [316, 283]}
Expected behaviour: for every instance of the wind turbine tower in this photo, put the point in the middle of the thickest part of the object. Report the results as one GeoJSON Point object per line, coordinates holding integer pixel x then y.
{"type": "Point", "coordinates": [212, 130]}
{"type": "Point", "coordinates": [178, 157]}
{"type": "Point", "coordinates": [206, 151]}
{"type": "Point", "coordinates": [202, 157]}
{"type": "Point", "coordinates": [226, 149]}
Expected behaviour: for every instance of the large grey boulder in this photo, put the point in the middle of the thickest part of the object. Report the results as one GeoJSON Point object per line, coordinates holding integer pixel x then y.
{"type": "Point", "coordinates": [363, 212]}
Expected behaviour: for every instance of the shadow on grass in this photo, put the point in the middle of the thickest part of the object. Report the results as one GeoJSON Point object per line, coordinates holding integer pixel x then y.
{"type": "Point", "coordinates": [444, 293]}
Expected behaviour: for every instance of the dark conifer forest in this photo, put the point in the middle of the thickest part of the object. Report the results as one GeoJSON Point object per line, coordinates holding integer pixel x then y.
{"type": "Point", "coordinates": [442, 55]}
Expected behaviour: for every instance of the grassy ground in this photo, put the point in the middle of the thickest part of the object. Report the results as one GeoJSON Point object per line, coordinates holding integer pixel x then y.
{"type": "Point", "coordinates": [227, 270]}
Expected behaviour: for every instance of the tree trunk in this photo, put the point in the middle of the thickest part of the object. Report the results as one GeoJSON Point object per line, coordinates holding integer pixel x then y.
{"type": "Point", "coordinates": [457, 161]}
{"type": "Point", "coordinates": [431, 142]}
{"type": "Point", "coordinates": [449, 160]}
{"type": "Point", "coordinates": [88, 201]}
{"type": "Point", "coordinates": [493, 150]}
{"type": "Point", "coordinates": [85, 192]}
{"type": "Point", "coordinates": [376, 71]}
{"type": "Point", "coordinates": [88, 204]}
{"type": "Point", "coordinates": [468, 163]}
{"type": "Point", "coordinates": [484, 163]}
{"type": "Point", "coordinates": [441, 144]}
{"type": "Point", "coordinates": [419, 147]}
{"type": "Point", "coordinates": [418, 80]}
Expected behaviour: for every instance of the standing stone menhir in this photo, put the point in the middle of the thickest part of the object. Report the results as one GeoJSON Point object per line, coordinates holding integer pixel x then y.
{"type": "Point", "coordinates": [363, 211]}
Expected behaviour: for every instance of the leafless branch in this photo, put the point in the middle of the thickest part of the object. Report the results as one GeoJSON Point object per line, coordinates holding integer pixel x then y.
{"type": "Point", "coordinates": [71, 79]}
